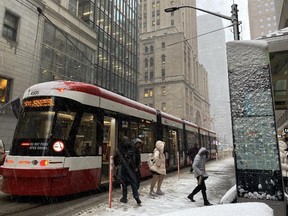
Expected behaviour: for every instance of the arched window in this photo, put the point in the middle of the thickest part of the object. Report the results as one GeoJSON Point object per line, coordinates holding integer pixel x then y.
{"type": "Point", "coordinates": [151, 62]}
{"type": "Point", "coordinates": [146, 49]}
{"type": "Point", "coordinates": [151, 48]}
{"type": "Point", "coordinates": [163, 45]}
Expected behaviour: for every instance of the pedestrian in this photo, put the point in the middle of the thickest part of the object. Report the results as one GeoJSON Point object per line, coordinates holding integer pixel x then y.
{"type": "Point", "coordinates": [192, 152]}
{"type": "Point", "coordinates": [201, 175]}
{"type": "Point", "coordinates": [137, 151]}
{"type": "Point", "coordinates": [128, 173]}
{"type": "Point", "coordinates": [284, 161]}
{"type": "Point", "coordinates": [158, 168]}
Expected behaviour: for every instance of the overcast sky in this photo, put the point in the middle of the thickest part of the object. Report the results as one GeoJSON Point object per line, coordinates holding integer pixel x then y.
{"type": "Point", "coordinates": [224, 7]}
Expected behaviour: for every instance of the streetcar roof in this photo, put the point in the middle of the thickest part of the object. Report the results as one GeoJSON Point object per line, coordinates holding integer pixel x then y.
{"type": "Point", "coordinates": [62, 86]}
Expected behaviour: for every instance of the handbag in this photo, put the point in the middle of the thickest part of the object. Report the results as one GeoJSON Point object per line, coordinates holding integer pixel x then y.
{"type": "Point", "coordinates": [151, 160]}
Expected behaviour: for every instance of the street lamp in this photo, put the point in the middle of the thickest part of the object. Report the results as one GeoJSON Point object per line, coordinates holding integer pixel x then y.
{"type": "Point", "coordinates": [233, 18]}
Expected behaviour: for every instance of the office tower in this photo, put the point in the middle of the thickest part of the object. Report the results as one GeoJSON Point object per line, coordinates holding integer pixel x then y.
{"type": "Point", "coordinates": [171, 78]}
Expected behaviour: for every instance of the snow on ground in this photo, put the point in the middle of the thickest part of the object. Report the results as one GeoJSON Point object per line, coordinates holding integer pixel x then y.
{"type": "Point", "coordinates": [175, 201]}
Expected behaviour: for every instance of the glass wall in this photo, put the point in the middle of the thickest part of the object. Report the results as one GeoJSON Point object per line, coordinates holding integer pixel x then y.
{"type": "Point", "coordinates": [113, 65]}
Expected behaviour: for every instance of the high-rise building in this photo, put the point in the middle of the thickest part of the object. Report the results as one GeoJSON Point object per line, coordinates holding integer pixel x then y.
{"type": "Point", "coordinates": [212, 54]}
{"type": "Point", "coordinates": [171, 78]}
{"type": "Point", "coordinates": [94, 41]}
{"type": "Point", "coordinates": [262, 17]}
{"type": "Point", "coordinates": [281, 8]}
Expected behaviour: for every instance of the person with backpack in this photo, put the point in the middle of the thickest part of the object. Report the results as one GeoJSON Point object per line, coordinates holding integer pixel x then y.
{"type": "Point", "coordinates": [126, 157]}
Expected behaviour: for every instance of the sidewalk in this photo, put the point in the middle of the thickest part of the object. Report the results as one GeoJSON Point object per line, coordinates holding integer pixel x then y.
{"type": "Point", "coordinates": [221, 179]}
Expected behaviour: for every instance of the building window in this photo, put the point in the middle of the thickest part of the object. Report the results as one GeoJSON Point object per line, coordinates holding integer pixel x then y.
{"type": "Point", "coordinates": [172, 22]}
{"type": "Point", "coordinates": [146, 63]}
{"type": "Point", "coordinates": [151, 62]}
{"type": "Point", "coordinates": [146, 49]}
{"type": "Point", "coordinates": [151, 75]}
{"type": "Point", "coordinates": [164, 108]}
{"type": "Point", "coordinates": [163, 89]}
{"type": "Point", "coordinates": [151, 48]}
{"type": "Point", "coordinates": [4, 89]}
{"type": "Point", "coordinates": [73, 7]}
{"type": "Point", "coordinates": [146, 76]}
{"type": "Point", "coordinates": [163, 59]}
{"type": "Point", "coordinates": [158, 22]}
{"type": "Point", "coordinates": [148, 92]}
{"type": "Point", "coordinates": [10, 26]}
{"type": "Point", "coordinates": [163, 45]}
{"type": "Point", "coordinates": [163, 73]}
{"type": "Point", "coordinates": [158, 12]}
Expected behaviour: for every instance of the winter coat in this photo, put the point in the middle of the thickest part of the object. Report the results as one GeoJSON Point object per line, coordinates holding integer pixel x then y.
{"type": "Point", "coordinates": [199, 163]}
{"type": "Point", "coordinates": [283, 158]}
{"type": "Point", "coordinates": [159, 164]}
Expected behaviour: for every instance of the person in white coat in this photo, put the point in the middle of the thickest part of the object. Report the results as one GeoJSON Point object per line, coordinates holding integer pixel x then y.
{"type": "Point", "coordinates": [158, 168]}
{"type": "Point", "coordinates": [201, 175]}
{"type": "Point", "coordinates": [284, 161]}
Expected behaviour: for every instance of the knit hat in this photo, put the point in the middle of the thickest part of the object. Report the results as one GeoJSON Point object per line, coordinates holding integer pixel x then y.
{"type": "Point", "coordinates": [137, 140]}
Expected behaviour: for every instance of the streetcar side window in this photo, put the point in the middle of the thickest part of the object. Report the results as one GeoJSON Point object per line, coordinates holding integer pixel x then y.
{"type": "Point", "coordinates": [147, 135]}
{"type": "Point", "coordinates": [63, 124]}
{"type": "Point", "coordinates": [85, 144]}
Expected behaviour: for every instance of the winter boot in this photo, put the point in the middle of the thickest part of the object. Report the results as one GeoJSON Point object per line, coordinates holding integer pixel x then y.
{"type": "Point", "coordinates": [190, 196]}
{"type": "Point", "coordinates": [123, 200]}
{"type": "Point", "coordinates": [206, 202]}
{"type": "Point", "coordinates": [138, 201]}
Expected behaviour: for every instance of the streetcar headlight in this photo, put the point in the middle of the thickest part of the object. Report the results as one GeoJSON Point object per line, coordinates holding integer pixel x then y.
{"type": "Point", "coordinates": [25, 144]}
{"type": "Point", "coordinates": [44, 163]}
{"type": "Point", "coordinates": [58, 146]}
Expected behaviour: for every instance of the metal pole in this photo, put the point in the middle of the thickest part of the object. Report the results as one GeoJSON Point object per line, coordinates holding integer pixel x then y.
{"type": "Point", "coordinates": [233, 18]}
{"type": "Point", "coordinates": [235, 22]}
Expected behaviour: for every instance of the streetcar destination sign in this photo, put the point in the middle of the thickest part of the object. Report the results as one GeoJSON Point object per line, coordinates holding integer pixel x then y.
{"type": "Point", "coordinates": [38, 103]}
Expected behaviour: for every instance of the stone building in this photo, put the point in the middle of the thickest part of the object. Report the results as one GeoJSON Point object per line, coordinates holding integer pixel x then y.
{"type": "Point", "coordinates": [170, 76]}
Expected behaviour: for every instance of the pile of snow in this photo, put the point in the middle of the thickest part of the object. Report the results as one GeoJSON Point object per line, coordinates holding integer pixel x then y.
{"type": "Point", "coordinates": [236, 209]}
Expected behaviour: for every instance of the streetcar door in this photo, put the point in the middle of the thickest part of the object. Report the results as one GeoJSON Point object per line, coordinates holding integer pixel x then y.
{"type": "Point", "coordinates": [171, 148]}
{"type": "Point", "coordinates": [108, 146]}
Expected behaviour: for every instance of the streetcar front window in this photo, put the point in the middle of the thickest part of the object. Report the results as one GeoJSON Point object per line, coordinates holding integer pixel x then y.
{"type": "Point", "coordinates": [40, 133]}
{"type": "Point", "coordinates": [35, 125]}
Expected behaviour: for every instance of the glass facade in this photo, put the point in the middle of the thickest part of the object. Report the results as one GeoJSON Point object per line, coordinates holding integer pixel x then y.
{"type": "Point", "coordinates": [113, 65]}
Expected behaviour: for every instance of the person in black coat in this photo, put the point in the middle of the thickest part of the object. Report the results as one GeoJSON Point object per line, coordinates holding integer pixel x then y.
{"type": "Point", "coordinates": [137, 150]}
{"type": "Point", "coordinates": [128, 170]}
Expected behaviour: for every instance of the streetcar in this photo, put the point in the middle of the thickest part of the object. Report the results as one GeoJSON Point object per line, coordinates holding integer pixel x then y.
{"type": "Point", "coordinates": [67, 131]}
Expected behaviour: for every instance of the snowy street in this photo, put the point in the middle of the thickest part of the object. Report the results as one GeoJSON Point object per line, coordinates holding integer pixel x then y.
{"type": "Point", "coordinates": [221, 179]}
